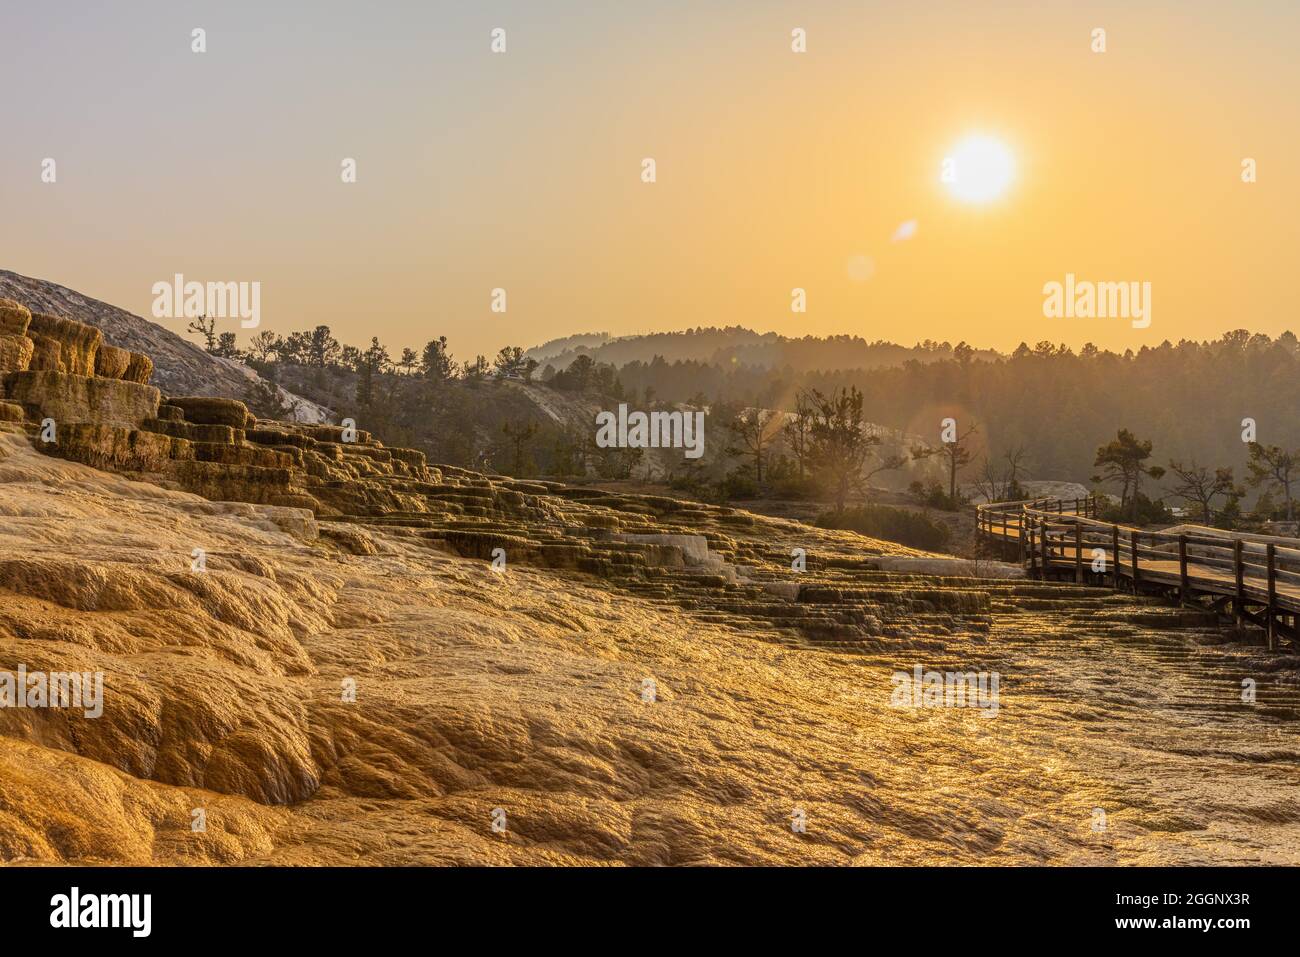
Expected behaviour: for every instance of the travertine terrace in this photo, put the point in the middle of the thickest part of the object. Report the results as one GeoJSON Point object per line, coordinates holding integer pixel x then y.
{"type": "Point", "coordinates": [343, 654]}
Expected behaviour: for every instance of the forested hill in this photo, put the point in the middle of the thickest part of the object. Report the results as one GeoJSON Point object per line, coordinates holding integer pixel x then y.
{"type": "Point", "coordinates": [1189, 399]}
{"type": "Point", "coordinates": [740, 346]}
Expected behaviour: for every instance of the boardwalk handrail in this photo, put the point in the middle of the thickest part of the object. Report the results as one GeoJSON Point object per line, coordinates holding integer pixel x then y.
{"type": "Point", "coordinates": [1065, 535]}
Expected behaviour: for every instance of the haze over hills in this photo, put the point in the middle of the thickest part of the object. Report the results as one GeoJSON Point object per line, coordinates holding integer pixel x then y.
{"type": "Point", "coordinates": [741, 346]}
{"type": "Point", "coordinates": [1057, 406]}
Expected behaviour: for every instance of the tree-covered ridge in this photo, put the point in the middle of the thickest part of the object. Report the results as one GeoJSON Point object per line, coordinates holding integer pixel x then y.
{"type": "Point", "coordinates": [1190, 399]}
{"type": "Point", "coordinates": [737, 345]}
{"type": "Point", "coordinates": [1203, 424]}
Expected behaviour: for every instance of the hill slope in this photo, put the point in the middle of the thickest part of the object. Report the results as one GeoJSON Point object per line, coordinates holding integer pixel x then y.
{"type": "Point", "coordinates": [738, 345]}
{"type": "Point", "coordinates": [180, 367]}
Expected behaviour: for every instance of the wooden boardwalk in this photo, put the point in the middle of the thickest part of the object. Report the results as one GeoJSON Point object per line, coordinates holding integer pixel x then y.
{"type": "Point", "coordinates": [1252, 578]}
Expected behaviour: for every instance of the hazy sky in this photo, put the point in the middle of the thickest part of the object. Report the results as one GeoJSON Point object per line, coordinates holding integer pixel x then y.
{"type": "Point", "coordinates": [522, 170]}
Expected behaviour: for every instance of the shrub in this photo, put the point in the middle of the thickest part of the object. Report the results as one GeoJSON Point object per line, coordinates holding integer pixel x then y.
{"type": "Point", "coordinates": [737, 485]}
{"type": "Point", "coordinates": [1141, 511]}
{"type": "Point", "coordinates": [892, 524]}
{"type": "Point", "coordinates": [794, 488]}
{"type": "Point", "coordinates": [934, 496]}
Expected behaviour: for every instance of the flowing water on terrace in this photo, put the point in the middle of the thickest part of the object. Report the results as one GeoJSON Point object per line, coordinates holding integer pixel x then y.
{"type": "Point", "coordinates": [523, 690]}
{"type": "Point", "coordinates": [1108, 706]}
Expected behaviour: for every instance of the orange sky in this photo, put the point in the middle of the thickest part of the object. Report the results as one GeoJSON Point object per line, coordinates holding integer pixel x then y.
{"type": "Point", "coordinates": [521, 170]}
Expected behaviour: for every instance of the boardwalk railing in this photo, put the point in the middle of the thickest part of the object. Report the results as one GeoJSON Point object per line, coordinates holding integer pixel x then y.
{"type": "Point", "coordinates": [1253, 578]}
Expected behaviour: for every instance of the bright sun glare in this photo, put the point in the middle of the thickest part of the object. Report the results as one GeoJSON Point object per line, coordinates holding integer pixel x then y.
{"type": "Point", "coordinates": [978, 170]}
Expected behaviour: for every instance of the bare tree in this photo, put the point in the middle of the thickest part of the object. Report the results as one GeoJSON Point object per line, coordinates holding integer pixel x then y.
{"type": "Point", "coordinates": [798, 432]}
{"type": "Point", "coordinates": [956, 455]}
{"type": "Point", "coordinates": [888, 463]}
{"type": "Point", "coordinates": [207, 328]}
{"type": "Point", "coordinates": [262, 346]}
{"type": "Point", "coordinates": [1001, 483]}
{"type": "Point", "coordinates": [751, 431]}
{"type": "Point", "coordinates": [1197, 484]}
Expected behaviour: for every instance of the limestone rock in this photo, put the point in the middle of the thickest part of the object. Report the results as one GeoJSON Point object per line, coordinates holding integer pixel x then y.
{"type": "Point", "coordinates": [76, 398]}
{"type": "Point", "coordinates": [114, 448]}
{"type": "Point", "coordinates": [78, 342]}
{"type": "Point", "coordinates": [15, 353]}
{"type": "Point", "coordinates": [959, 567]}
{"type": "Point", "coordinates": [111, 362]}
{"type": "Point", "coordinates": [47, 354]}
{"type": "Point", "coordinates": [140, 368]}
{"type": "Point", "coordinates": [205, 410]}
{"type": "Point", "coordinates": [14, 318]}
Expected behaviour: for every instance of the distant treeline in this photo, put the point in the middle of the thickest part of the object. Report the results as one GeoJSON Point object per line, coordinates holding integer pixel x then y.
{"type": "Point", "coordinates": [1190, 399]}
{"type": "Point", "coordinates": [1203, 424]}
{"type": "Point", "coordinates": [736, 345]}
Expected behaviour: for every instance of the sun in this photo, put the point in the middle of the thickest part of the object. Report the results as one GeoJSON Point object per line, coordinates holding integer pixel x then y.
{"type": "Point", "coordinates": [978, 170]}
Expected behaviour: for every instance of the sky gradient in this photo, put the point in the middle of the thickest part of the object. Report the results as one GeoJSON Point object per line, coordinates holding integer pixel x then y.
{"type": "Point", "coordinates": [522, 170]}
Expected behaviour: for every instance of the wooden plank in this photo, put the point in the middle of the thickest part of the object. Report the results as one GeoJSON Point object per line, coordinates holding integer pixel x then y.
{"type": "Point", "coordinates": [1220, 568]}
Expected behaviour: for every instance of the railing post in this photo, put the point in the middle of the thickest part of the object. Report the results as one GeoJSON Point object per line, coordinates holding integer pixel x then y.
{"type": "Point", "coordinates": [1021, 537]}
{"type": "Point", "coordinates": [1033, 543]}
{"type": "Point", "coordinates": [1078, 550]}
{"type": "Point", "coordinates": [1133, 547]}
{"type": "Point", "coordinates": [1042, 548]}
{"type": "Point", "coordinates": [1029, 546]}
{"type": "Point", "coordinates": [1184, 585]}
{"type": "Point", "coordinates": [1114, 560]}
{"type": "Point", "coordinates": [1272, 595]}
{"type": "Point", "coordinates": [1239, 571]}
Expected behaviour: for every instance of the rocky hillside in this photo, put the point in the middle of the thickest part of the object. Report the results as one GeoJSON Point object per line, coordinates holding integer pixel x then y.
{"type": "Point", "coordinates": [180, 367]}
